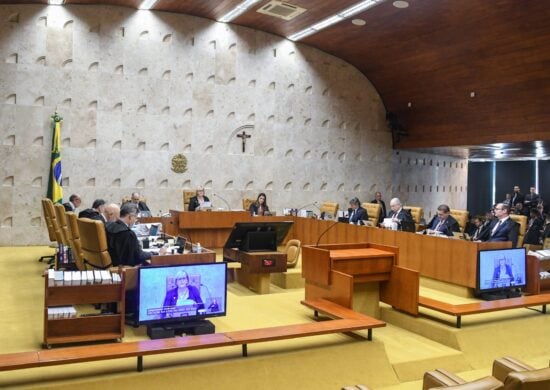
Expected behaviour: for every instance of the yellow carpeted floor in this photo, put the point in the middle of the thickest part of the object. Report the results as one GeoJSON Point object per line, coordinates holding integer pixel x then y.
{"type": "Point", "coordinates": [396, 359]}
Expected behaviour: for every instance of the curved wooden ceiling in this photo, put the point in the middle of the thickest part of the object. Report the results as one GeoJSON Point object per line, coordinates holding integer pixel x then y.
{"type": "Point", "coordinates": [455, 73]}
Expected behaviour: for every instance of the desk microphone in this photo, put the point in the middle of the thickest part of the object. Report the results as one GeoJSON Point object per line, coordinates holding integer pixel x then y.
{"type": "Point", "coordinates": [325, 231]}
{"type": "Point", "coordinates": [223, 200]}
{"type": "Point", "coordinates": [309, 204]}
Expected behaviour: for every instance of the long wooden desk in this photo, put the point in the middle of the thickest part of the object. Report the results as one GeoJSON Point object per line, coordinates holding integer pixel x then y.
{"type": "Point", "coordinates": [445, 259]}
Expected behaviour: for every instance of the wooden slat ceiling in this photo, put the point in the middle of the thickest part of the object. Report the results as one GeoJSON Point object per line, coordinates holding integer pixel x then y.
{"type": "Point", "coordinates": [474, 71]}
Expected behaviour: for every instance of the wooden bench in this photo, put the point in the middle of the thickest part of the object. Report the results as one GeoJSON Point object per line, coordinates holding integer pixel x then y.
{"type": "Point", "coordinates": [336, 311]}
{"type": "Point", "coordinates": [347, 321]}
{"type": "Point", "coordinates": [485, 306]}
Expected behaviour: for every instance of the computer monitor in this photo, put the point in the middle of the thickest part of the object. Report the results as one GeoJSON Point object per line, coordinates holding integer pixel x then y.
{"type": "Point", "coordinates": [258, 236]}
{"type": "Point", "coordinates": [153, 230]}
{"type": "Point", "coordinates": [499, 271]}
{"type": "Point", "coordinates": [408, 226]}
{"type": "Point", "coordinates": [178, 293]}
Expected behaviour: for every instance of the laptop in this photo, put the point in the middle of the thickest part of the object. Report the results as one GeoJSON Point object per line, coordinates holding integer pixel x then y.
{"type": "Point", "coordinates": [154, 230]}
{"type": "Point", "coordinates": [408, 226]}
{"type": "Point", "coordinates": [180, 243]}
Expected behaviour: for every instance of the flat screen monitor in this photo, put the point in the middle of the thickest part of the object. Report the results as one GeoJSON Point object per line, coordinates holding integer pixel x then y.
{"type": "Point", "coordinates": [258, 236]}
{"type": "Point", "coordinates": [179, 293]}
{"type": "Point", "coordinates": [501, 269]}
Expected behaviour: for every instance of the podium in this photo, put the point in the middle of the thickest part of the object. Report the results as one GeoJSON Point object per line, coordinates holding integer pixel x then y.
{"type": "Point", "coordinates": [256, 267]}
{"type": "Point", "coordinates": [358, 276]}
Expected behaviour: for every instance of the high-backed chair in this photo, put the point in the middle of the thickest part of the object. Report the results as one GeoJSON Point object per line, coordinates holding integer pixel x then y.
{"type": "Point", "coordinates": [74, 240]}
{"type": "Point", "coordinates": [60, 215]}
{"type": "Point", "coordinates": [373, 210]}
{"type": "Point", "coordinates": [442, 379]}
{"type": "Point", "coordinates": [247, 202]}
{"type": "Point", "coordinates": [187, 195]}
{"type": "Point", "coordinates": [50, 212]}
{"type": "Point", "coordinates": [417, 214]}
{"type": "Point", "coordinates": [528, 380]}
{"type": "Point", "coordinates": [292, 250]}
{"type": "Point", "coordinates": [94, 243]}
{"type": "Point", "coordinates": [546, 243]}
{"type": "Point", "coordinates": [461, 217]}
{"type": "Point", "coordinates": [522, 220]}
{"type": "Point", "coordinates": [46, 203]}
{"type": "Point", "coordinates": [329, 208]}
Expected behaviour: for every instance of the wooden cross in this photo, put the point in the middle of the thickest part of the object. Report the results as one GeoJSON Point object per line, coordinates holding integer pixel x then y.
{"type": "Point", "coordinates": [244, 136]}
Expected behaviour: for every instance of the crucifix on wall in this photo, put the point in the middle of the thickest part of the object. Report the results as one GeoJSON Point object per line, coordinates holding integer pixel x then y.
{"type": "Point", "coordinates": [244, 136]}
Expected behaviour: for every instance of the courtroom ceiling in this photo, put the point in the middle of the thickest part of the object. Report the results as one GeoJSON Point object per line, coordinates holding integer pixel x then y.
{"type": "Point", "coordinates": [454, 73]}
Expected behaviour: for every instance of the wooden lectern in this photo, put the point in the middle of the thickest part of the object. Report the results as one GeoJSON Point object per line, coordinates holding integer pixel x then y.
{"type": "Point", "coordinates": [256, 267]}
{"type": "Point", "coordinates": [343, 273]}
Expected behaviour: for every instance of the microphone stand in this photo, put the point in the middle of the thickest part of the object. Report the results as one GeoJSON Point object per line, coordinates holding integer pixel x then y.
{"type": "Point", "coordinates": [307, 205]}
{"type": "Point", "coordinates": [224, 201]}
{"type": "Point", "coordinates": [324, 232]}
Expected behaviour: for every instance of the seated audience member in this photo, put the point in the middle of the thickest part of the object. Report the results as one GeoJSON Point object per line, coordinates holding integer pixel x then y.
{"type": "Point", "coordinates": [198, 200]}
{"type": "Point", "coordinates": [73, 203]}
{"type": "Point", "coordinates": [184, 294]}
{"type": "Point", "coordinates": [508, 200]}
{"type": "Point", "coordinates": [443, 222]}
{"type": "Point", "coordinates": [378, 199]}
{"type": "Point", "coordinates": [112, 212]}
{"type": "Point", "coordinates": [546, 230]}
{"type": "Point", "coordinates": [532, 199]}
{"type": "Point", "coordinates": [97, 211]}
{"type": "Point", "coordinates": [123, 244]}
{"type": "Point", "coordinates": [478, 230]}
{"type": "Point", "coordinates": [357, 214]}
{"type": "Point", "coordinates": [520, 210]}
{"type": "Point", "coordinates": [398, 213]}
{"type": "Point", "coordinates": [502, 228]}
{"type": "Point", "coordinates": [534, 230]}
{"type": "Point", "coordinates": [517, 196]}
{"type": "Point", "coordinates": [260, 207]}
{"type": "Point", "coordinates": [142, 206]}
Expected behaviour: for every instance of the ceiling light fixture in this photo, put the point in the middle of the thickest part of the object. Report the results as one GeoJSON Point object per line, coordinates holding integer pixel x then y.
{"type": "Point", "coordinates": [147, 4]}
{"type": "Point", "coordinates": [400, 4]}
{"type": "Point", "coordinates": [358, 22]}
{"type": "Point", "coordinates": [237, 11]}
{"type": "Point", "coordinates": [344, 14]}
{"type": "Point", "coordinates": [56, 2]}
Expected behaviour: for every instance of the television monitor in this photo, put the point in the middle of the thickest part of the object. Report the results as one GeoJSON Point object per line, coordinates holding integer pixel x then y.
{"type": "Point", "coordinates": [501, 270]}
{"type": "Point", "coordinates": [258, 236]}
{"type": "Point", "coordinates": [179, 293]}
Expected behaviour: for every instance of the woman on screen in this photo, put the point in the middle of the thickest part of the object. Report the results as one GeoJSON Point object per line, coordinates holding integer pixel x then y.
{"type": "Point", "coordinates": [260, 207]}
{"type": "Point", "coordinates": [503, 275]}
{"type": "Point", "coordinates": [198, 200]}
{"type": "Point", "coordinates": [184, 295]}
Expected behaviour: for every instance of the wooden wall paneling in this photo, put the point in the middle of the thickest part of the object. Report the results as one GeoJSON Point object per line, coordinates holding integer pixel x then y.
{"type": "Point", "coordinates": [340, 291]}
{"type": "Point", "coordinates": [402, 290]}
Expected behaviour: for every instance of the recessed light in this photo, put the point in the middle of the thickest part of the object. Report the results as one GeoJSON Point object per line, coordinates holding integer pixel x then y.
{"type": "Point", "coordinates": [358, 22]}
{"type": "Point", "coordinates": [147, 4]}
{"type": "Point", "coordinates": [472, 94]}
{"type": "Point", "coordinates": [56, 2]}
{"type": "Point", "coordinates": [409, 104]}
{"type": "Point", "coordinates": [400, 4]}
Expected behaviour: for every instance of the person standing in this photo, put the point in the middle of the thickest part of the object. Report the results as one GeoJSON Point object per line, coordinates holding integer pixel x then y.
{"type": "Point", "coordinates": [383, 211]}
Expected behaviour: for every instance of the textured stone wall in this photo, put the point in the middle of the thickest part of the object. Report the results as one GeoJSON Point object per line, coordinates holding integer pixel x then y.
{"type": "Point", "coordinates": [136, 88]}
{"type": "Point", "coordinates": [428, 180]}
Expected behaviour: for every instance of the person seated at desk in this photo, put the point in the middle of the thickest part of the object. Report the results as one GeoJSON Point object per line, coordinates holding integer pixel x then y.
{"type": "Point", "coordinates": [73, 203]}
{"type": "Point", "coordinates": [112, 212]}
{"type": "Point", "coordinates": [443, 222]}
{"type": "Point", "coordinates": [122, 242]}
{"type": "Point", "coordinates": [260, 207]}
{"type": "Point", "coordinates": [534, 229]}
{"type": "Point", "coordinates": [183, 295]}
{"type": "Point", "coordinates": [398, 213]}
{"type": "Point", "coordinates": [198, 200]}
{"type": "Point", "coordinates": [143, 209]}
{"type": "Point", "coordinates": [502, 228]}
{"type": "Point", "coordinates": [357, 214]}
{"type": "Point", "coordinates": [96, 212]}
{"type": "Point", "coordinates": [503, 275]}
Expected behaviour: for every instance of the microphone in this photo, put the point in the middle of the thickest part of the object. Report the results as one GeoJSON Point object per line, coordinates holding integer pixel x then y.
{"type": "Point", "coordinates": [213, 307]}
{"type": "Point", "coordinates": [223, 200]}
{"type": "Point", "coordinates": [325, 231]}
{"type": "Point", "coordinates": [309, 204]}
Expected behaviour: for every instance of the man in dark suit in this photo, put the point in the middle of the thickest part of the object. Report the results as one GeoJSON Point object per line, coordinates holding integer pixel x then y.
{"type": "Point", "coordinates": [443, 222]}
{"type": "Point", "coordinates": [96, 212]}
{"type": "Point", "coordinates": [383, 211]}
{"type": "Point", "coordinates": [517, 196]}
{"type": "Point", "coordinates": [534, 230]}
{"type": "Point", "coordinates": [502, 228]}
{"type": "Point", "coordinates": [73, 203]}
{"type": "Point", "coordinates": [142, 206]}
{"type": "Point", "coordinates": [532, 199]}
{"type": "Point", "coordinates": [357, 214]}
{"type": "Point", "coordinates": [398, 213]}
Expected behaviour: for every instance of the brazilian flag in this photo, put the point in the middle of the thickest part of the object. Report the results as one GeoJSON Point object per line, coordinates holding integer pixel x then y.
{"type": "Point", "coordinates": [55, 191]}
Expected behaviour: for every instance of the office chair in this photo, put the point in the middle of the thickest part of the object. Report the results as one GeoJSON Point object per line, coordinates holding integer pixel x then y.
{"type": "Point", "coordinates": [94, 243]}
